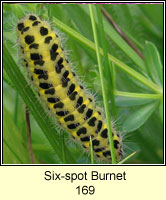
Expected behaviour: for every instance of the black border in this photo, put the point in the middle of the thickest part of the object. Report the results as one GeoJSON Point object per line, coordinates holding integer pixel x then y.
{"type": "Point", "coordinates": [87, 2]}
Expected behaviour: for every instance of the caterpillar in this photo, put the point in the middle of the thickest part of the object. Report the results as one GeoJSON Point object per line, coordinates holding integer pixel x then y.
{"type": "Point", "coordinates": [61, 90]}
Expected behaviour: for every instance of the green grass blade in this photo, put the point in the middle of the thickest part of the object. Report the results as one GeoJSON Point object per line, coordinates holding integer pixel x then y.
{"type": "Point", "coordinates": [103, 86]}
{"type": "Point", "coordinates": [128, 157]}
{"type": "Point", "coordinates": [91, 151]}
{"type": "Point", "coordinates": [107, 68]}
{"type": "Point", "coordinates": [13, 142]}
{"type": "Point", "coordinates": [127, 99]}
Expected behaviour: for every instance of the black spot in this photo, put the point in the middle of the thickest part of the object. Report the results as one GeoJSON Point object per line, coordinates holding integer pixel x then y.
{"type": "Point", "coordinates": [65, 74]}
{"type": "Point", "coordinates": [29, 39]}
{"type": "Point", "coordinates": [116, 142]}
{"type": "Point", "coordinates": [45, 85]}
{"type": "Point", "coordinates": [99, 149]}
{"type": "Point", "coordinates": [31, 78]}
{"type": "Point", "coordinates": [90, 99]}
{"type": "Point", "coordinates": [71, 89]}
{"type": "Point", "coordinates": [79, 102]}
{"type": "Point", "coordinates": [36, 56]}
{"type": "Point", "coordinates": [69, 118]}
{"type": "Point", "coordinates": [73, 73]}
{"type": "Point", "coordinates": [99, 125]}
{"type": "Point", "coordinates": [88, 114]}
{"type": "Point", "coordinates": [40, 71]}
{"type": "Point", "coordinates": [81, 87]}
{"type": "Point", "coordinates": [43, 76]}
{"type": "Point", "coordinates": [58, 105]}
{"type": "Point", "coordinates": [36, 23]}
{"type": "Point", "coordinates": [106, 153]}
{"type": "Point", "coordinates": [39, 62]}
{"type": "Point", "coordinates": [43, 31]}
{"type": "Point", "coordinates": [50, 91]}
{"type": "Point", "coordinates": [32, 18]}
{"type": "Point", "coordinates": [54, 48]}
{"type": "Point", "coordinates": [99, 113]}
{"type": "Point", "coordinates": [53, 100]}
{"type": "Point", "coordinates": [81, 131]}
{"type": "Point", "coordinates": [98, 155]}
{"type": "Point", "coordinates": [95, 142]}
{"type": "Point", "coordinates": [65, 82]}
{"type": "Point", "coordinates": [67, 61]}
{"type": "Point", "coordinates": [34, 46]}
{"type": "Point", "coordinates": [56, 35]}
{"type": "Point", "coordinates": [59, 65]}
{"type": "Point", "coordinates": [53, 52]}
{"type": "Point", "coordinates": [48, 39]}
{"type": "Point", "coordinates": [85, 139]}
{"type": "Point", "coordinates": [58, 68]}
{"type": "Point", "coordinates": [73, 96]}
{"type": "Point", "coordinates": [91, 122]}
{"type": "Point", "coordinates": [24, 30]}
{"type": "Point", "coordinates": [20, 26]}
{"type": "Point", "coordinates": [73, 126]}
{"type": "Point", "coordinates": [84, 146]}
{"type": "Point", "coordinates": [60, 61]}
{"type": "Point", "coordinates": [81, 109]}
{"type": "Point", "coordinates": [62, 113]}
{"type": "Point", "coordinates": [26, 65]}
{"type": "Point", "coordinates": [104, 133]}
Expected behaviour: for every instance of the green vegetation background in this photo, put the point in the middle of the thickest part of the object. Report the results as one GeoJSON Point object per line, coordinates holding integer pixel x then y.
{"type": "Point", "coordinates": [141, 23]}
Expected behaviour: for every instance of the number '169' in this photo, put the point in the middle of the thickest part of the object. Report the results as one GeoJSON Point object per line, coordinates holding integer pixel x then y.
{"type": "Point", "coordinates": [86, 190]}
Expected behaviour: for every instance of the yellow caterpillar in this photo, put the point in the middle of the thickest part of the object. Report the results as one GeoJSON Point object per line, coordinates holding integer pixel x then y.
{"type": "Point", "coordinates": [61, 90]}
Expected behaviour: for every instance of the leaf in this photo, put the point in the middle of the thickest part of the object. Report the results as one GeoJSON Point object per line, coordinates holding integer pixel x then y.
{"type": "Point", "coordinates": [153, 63]}
{"type": "Point", "coordinates": [14, 151]}
{"type": "Point", "coordinates": [139, 117]}
{"type": "Point", "coordinates": [123, 101]}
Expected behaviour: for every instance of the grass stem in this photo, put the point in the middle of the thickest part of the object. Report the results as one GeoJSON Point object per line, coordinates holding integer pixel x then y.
{"type": "Point", "coordinates": [103, 85]}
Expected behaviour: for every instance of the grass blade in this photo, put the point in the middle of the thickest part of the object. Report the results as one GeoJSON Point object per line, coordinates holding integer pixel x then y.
{"type": "Point", "coordinates": [103, 86]}
{"type": "Point", "coordinates": [108, 69]}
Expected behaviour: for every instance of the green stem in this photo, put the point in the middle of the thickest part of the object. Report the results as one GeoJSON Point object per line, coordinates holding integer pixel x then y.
{"type": "Point", "coordinates": [103, 85]}
{"type": "Point", "coordinates": [118, 63]}
{"type": "Point", "coordinates": [138, 95]}
{"type": "Point", "coordinates": [108, 68]}
{"type": "Point", "coordinates": [91, 151]}
{"type": "Point", "coordinates": [16, 108]}
{"type": "Point", "coordinates": [129, 156]}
